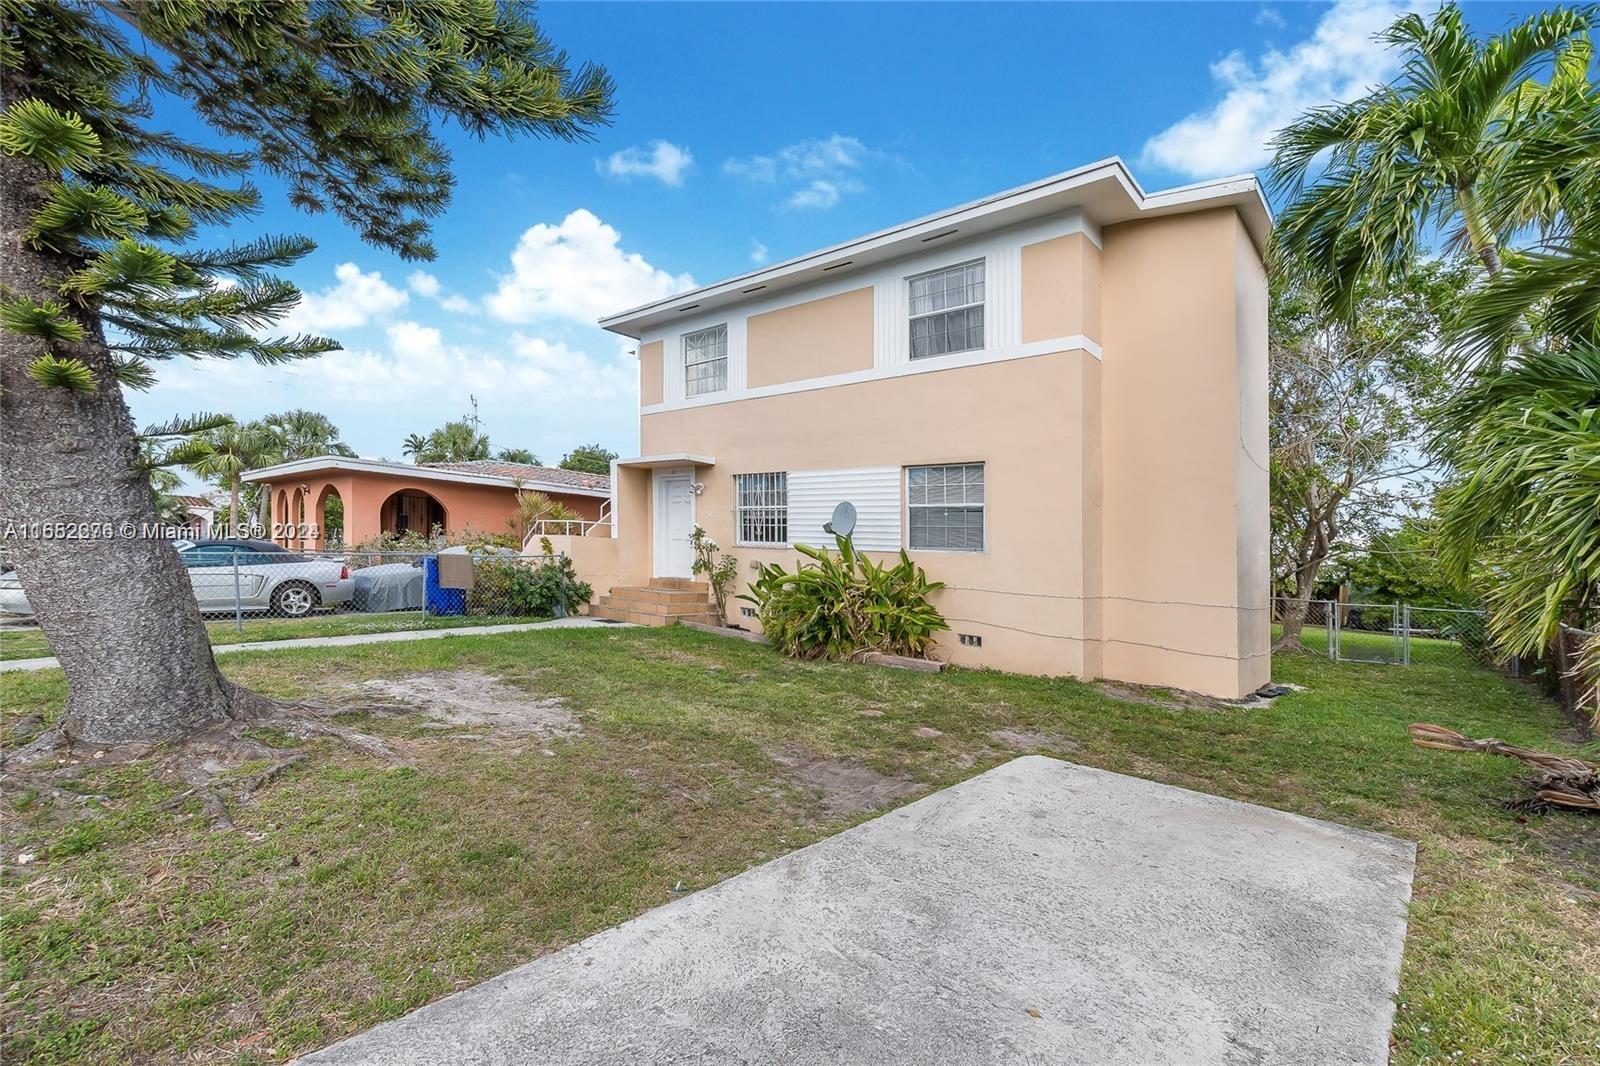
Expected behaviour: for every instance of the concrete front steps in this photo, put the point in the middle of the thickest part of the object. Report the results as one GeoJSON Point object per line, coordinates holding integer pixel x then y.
{"type": "Point", "coordinates": [663, 602]}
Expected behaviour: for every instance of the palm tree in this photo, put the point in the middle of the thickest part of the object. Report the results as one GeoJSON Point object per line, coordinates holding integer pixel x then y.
{"type": "Point", "coordinates": [305, 434]}
{"type": "Point", "coordinates": [178, 442]}
{"type": "Point", "coordinates": [1523, 509]}
{"type": "Point", "coordinates": [1424, 153]}
{"type": "Point", "coordinates": [534, 508]}
{"type": "Point", "coordinates": [454, 442]}
{"type": "Point", "coordinates": [227, 453]}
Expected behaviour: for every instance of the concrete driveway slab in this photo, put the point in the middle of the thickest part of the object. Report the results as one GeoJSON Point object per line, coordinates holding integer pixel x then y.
{"type": "Point", "coordinates": [1042, 912]}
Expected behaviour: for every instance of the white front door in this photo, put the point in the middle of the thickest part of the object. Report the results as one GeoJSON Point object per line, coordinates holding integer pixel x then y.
{"type": "Point", "coordinates": [674, 522]}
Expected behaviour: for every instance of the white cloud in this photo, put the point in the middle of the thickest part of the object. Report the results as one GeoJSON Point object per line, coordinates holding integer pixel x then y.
{"type": "Point", "coordinates": [758, 252]}
{"type": "Point", "coordinates": [540, 392]}
{"type": "Point", "coordinates": [1270, 18]}
{"type": "Point", "coordinates": [578, 271]}
{"type": "Point", "coordinates": [423, 283]}
{"type": "Point", "coordinates": [358, 298]}
{"type": "Point", "coordinates": [819, 194]}
{"type": "Point", "coordinates": [412, 340]}
{"type": "Point", "coordinates": [458, 304]}
{"type": "Point", "coordinates": [663, 160]}
{"type": "Point", "coordinates": [1339, 62]}
{"type": "Point", "coordinates": [818, 170]}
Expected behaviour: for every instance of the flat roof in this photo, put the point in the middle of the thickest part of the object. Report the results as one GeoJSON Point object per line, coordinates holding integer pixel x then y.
{"type": "Point", "coordinates": [532, 480]}
{"type": "Point", "coordinates": [1105, 191]}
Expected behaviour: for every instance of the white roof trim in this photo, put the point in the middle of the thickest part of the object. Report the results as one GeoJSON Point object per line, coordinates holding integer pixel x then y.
{"type": "Point", "coordinates": [419, 473]}
{"type": "Point", "coordinates": [668, 459]}
{"type": "Point", "coordinates": [1241, 191]}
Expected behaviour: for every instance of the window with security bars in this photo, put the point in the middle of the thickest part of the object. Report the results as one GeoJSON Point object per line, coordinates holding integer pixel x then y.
{"type": "Point", "coordinates": [762, 501]}
{"type": "Point", "coordinates": [947, 310]}
{"type": "Point", "coordinates": [705, 361]}
{"type": "Point", "coordinates": [945, 505]}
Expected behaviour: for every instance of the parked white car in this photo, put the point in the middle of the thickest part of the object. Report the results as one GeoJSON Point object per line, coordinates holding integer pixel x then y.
{"type": "Point", "coordinates": [12, 599]}
{"type": "Point", "coordinates": [269, 578]}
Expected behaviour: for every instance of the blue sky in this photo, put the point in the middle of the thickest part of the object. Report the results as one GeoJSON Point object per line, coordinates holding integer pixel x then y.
{"type": "Point", "coordinates": [752, 133]}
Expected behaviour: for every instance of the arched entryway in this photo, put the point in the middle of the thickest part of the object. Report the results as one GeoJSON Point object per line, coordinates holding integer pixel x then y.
{"type": "Point", "coordinates": [411, 511]}
{"type": "Point", "coordinates": [330, 517]}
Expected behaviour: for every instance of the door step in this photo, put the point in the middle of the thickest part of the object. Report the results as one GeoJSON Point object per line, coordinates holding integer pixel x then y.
{"type": "Point", "coordinates": [663, 602]}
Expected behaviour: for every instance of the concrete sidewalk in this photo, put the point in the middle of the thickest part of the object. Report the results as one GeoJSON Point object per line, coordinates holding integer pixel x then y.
{"type": "Point", "coordinates": [348, 639]}
{"type": "Point", "coordinates": [1039, 913]}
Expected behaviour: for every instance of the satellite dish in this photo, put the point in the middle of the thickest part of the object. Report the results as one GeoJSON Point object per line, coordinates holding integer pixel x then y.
{"type": "Point", "coordinates": [844, 520]}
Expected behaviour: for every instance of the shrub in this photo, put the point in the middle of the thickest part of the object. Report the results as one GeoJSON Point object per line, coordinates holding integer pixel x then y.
{"type": "Point", "coordinates": [372, 551]}
{"type": "Point", "coordinates": [512, 586]}
{"type": "Point", "coordinates": [837, 607]}
{"type": "Point", "coordinates": [719, 570]}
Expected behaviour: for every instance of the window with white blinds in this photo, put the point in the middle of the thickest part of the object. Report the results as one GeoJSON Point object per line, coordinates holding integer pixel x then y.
{"type": "Point", "coordinates": [705, 361]}
{"type": "Point", "coordinates": [762, 505]}
{"type": "Point", "coordinates": [947, 310]}
{"type": "Point", "coordinates": [945, 506]}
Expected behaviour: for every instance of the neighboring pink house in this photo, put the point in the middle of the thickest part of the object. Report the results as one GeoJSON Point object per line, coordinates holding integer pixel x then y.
{"type": "Point", "coordinates": [386, 497]}
{"type": "Point", "coordinates": [202, 515]}
{"type": "Point", "coordinates": [1054, 398]}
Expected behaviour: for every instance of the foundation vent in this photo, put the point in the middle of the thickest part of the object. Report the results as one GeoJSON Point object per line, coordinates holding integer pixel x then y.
{"type": "Point", "coordinates": [970, 640]}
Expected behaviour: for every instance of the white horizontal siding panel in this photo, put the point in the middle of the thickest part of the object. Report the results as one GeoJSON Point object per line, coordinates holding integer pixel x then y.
{"type": "Point", "coordinates": [875, 491]}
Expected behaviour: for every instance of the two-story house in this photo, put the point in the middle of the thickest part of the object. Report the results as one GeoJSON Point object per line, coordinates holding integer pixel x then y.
{"type": "Point", "coordinates": [1055, 399]}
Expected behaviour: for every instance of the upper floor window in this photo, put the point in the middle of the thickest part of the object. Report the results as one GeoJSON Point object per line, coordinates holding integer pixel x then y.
{"type": "Point", "coordinates": [705, 361]}
{"type": "Point", "coordinates": [945, 505]}
{"type": "Point", "coordinates": [947, 310]}
{"type": "Point", "coordinates": [762, 502]}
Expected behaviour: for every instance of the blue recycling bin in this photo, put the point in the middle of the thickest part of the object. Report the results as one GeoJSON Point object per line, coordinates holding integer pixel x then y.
{"type": "Point", "coordinates": [438, 600]}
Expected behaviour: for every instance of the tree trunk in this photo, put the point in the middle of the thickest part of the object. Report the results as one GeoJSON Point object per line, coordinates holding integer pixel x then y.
{"type": "Point", "coordinates": [233, 506]}
{"type": "Point", "coordinates": [1482, 240]}
{"type": "Point", "coordinates": [1293, 623]}
{"type": "Point", "coordinates": [114, 602]}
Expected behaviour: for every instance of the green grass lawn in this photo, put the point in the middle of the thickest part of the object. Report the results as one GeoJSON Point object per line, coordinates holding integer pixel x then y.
{"type": "Point", "coordinates": [29, 643]}
{"type": "Point", "coordinates": [352, 891]}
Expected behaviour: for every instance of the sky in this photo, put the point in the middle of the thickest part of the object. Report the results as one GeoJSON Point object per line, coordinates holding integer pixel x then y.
{"type": "Point", "coordinates": [746, 134]}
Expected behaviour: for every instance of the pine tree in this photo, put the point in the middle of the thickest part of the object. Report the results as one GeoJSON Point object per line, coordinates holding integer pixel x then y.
{"type": "Point", "coordinates": [99, 282]}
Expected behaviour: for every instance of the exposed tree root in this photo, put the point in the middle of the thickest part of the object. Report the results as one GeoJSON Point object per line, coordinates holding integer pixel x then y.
{"type": "Point", "coordinates": [206, 760]}
{"type": "Point", "coordinates": [1561, 781]}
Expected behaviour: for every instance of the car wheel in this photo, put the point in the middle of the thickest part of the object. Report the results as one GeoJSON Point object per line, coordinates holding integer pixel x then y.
{"type": "Point", "coordinates": [294, 599]}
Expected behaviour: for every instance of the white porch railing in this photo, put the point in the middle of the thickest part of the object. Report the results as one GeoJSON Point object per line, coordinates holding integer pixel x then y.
{"type": "Point", "coordinates": [575, 527]}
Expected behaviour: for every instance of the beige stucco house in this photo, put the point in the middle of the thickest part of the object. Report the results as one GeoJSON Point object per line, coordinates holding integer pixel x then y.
{"type": "Point", "coordinates": [1054, 398]}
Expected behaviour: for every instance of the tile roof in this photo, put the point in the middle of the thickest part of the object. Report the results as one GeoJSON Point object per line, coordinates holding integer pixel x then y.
{"type": "Point", "coordinates": [548, 475]}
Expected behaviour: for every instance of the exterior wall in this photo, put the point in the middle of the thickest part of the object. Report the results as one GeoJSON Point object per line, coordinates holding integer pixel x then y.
{"type": "Point", "coordinates": [811, 337]}
{"type": "Point", "coordinates": [650, 372]}
{"type": "Point", "coordinates": [597, 560]}
{"type": "Point", "coordinates": [1060, 288]}
{"type": "Point", "coordinates": [1024, 593]}
{"type": "Point", "coordinates": [482, 508]}
{"type": "Point", "coordinates": [1184, 429]}
{"type": "Point", "coordinates": [832, 335]}
{"type": "Point", "coordinates": [1126, 506]}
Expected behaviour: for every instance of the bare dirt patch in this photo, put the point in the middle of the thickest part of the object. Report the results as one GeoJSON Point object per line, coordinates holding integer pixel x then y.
{"type": "Point", "coordinates": [843, 786]}
{"type": "Point", "coordinates": [467, 699]}
{"type": "Point", "coordinates": [1030, 740]}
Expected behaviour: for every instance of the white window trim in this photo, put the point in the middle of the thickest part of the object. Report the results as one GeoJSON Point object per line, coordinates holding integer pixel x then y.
{"type": "Point", "coordinates": [739, 509]}
{"type": "Point", "coordinates": [905, 495]}
{"type": "Point", "coordinates": [981, 260]}
{"type": "Point", "coordinates": [683, 361]}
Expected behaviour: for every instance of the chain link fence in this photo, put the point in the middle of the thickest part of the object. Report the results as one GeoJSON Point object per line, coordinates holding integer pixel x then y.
{"type": "Point", "coordinates": [1577, 679]}
{"type": "Point", "coordinates": [262, 591]}
{"type": "Point", "coordinates": [1397, 633]}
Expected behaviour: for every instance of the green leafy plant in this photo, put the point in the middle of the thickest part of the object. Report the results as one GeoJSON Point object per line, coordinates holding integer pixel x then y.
{"type": "Point", "coordinates": [512, 587]}
{"type": "Point", "coordinates": [719, 570]}
{"type": "Point", "coordinates": [839, 607]}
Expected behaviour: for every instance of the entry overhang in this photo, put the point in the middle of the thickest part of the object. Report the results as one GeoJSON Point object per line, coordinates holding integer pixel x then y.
{"type": "Point", "coordinates": [667, 459]}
